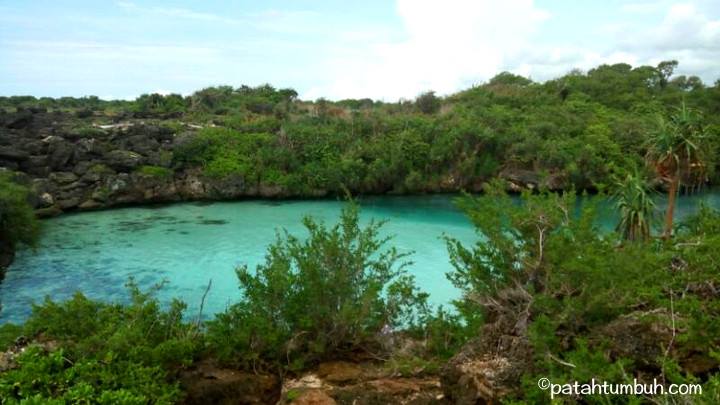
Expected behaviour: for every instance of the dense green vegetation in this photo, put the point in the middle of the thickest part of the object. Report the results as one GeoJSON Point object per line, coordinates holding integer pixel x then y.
{"type": "Point", "coordinates": [93, 352]}
{"type": "Point", "coordinates": [612, 310]}
{"type": "Point", "coordinates": [591, 305]}
{"type": "Point", "coordinates": [581, 304]}
{"type": "Point", "coordinates": [325, 297]}
{"type": "Point", "coordinates": [576, 130]}
{"type": "Point", "coordinates": [634, 203]}
{"type": "Point", "coordinates": [17, 219]}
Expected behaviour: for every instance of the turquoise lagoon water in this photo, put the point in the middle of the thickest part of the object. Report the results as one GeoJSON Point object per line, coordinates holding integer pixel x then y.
{"type": "Point", "coordinates": [190, 244]}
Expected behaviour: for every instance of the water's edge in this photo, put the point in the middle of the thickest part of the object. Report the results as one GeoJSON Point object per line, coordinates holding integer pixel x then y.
{"type": "Point", "coordinates": [190, 243]}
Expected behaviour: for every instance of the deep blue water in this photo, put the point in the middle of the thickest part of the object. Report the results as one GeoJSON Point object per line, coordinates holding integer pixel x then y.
{"type": "Point", "coordinates": [189, 244]}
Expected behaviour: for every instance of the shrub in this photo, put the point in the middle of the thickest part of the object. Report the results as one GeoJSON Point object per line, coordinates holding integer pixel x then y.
{"type": "Point", "coordinates": [87, 131]}
{"type": "Point", "coordinates": [333, 293]}
{"type": "Point", "coordinates": [8, 333]}
{"type": "Point", "coordinates": [223, 152]}
{"type": "Point", "coordinates": [100, 169]}
{"type": "Point", "coordinates": [17, 219]}
{"type": "Point", "coordinates": [428, 103]}
{"type": "Point", "coordinates": [107, 353]}
{"type": "Point", "coordinates": [174, 126]}
{"type": "Point", "coordinates": [156, 171]}
{"type": "Point", "coordinates": [545, 272]}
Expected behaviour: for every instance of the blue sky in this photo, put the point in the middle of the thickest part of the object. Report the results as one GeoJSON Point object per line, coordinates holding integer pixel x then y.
{"type": "Point", "coordinates": [337, 49]}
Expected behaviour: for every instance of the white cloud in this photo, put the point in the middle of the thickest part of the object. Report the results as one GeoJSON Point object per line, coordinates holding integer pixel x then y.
{"type": "Point", "coordinates": [436, 45]}
{"type": "Point", "coordinates": [684, 33]}
{"type": "Point", "coordinates": [446, 45]}
{"type": "Point", "coordinates": [452, 44]}
{"type": "Point", "coordinates": [684, 27]}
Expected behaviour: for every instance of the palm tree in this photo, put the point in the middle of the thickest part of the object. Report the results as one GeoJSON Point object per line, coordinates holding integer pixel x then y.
{"type": "Point", "coordinates": [676, 153]}
{"type": "Point", "coordinates": [637, 209]}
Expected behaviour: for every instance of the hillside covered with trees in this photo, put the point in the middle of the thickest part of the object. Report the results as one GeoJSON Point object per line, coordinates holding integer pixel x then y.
{"type": "Point", "coordinates": [575, 131]}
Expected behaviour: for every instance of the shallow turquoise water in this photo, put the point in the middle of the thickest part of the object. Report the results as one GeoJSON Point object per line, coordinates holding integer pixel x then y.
{"type": "Point", "coordinates": [189, 244]}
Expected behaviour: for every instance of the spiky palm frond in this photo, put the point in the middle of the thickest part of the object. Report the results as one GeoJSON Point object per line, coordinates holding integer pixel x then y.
{"type": "Point", "coordinates": [675, 148]}
{"type": "Point", "coordinates": [678, 156]}
{"type": "Point", "coordinates": [635, 205]}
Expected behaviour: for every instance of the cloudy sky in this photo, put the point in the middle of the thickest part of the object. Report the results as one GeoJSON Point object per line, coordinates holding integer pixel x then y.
{"type": "Point", "coordinates": [338, 49]}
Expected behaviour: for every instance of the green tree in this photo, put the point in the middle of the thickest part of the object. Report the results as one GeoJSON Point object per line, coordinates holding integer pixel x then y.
{"type": "Point", "coordinates": [328, 295]}
{"type": "Point", "coordinates": [17, 218]}
{"type": "Point", "coordinates": [560, 300]}
{"type": "Point", "coordinates": [676, 151]}
{"type": "Point", "coordinates": [635, 206]}
{"type": "Point", "coordinates": [665, 69]}
{"type": "Point", "coordinates": [428, 102]}
{"type": "Point", "coordinates": [508, 78]}
{"type": "Point", "coordinates": [511, 249]}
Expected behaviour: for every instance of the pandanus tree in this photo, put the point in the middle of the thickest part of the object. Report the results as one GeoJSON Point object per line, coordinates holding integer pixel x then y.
{"type": "Point", "coordinates": [675, 151]}
{"type": "Point", "coordinates": [635, 205]}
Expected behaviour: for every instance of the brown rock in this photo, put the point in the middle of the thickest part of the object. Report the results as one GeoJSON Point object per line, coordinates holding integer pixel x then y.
{"type": "Point", "coordinates": [68, 203]}
{"type": "Point", "coordinates": [89, 205]}
{"type": "Point", "coordinates": [395, 386]}
{"type": "Point", "coordinates": [699, 364]}
{"type": "Point", "coordinates": [640, 336]}
{"type": "Point", "coordinates": [48, 212]}
{"type": "Point", "coordinates": [482, 381]}
{"type": "Point", "coordinates": [45, 200]}
{"type": "Point", "coordinates": [339, 371]}
{"type": "Point", "coordinates": [490, 367]}
{"type": "Point", "coordinates": [389, 390]}
{"type": "Point", "coordinates": [314, 397]}
{"type": "Point", "coordinates": [209, 384]}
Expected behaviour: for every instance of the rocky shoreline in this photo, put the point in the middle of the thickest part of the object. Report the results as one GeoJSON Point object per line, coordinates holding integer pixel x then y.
{"type": "Point", "coordinates": [101, 166]}
{"type": "Point", "coordinates": [70, 162]}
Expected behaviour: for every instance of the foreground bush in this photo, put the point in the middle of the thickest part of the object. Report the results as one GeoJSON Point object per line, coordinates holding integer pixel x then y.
{"type": "Point", "coordinates": [17, 219]}
{"type": "Point", "coordinates": [334, 293]}
{"type": "Point", "coordinates": [577, 304]}
{"type": "Point", "coordinates": [91, 352]}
